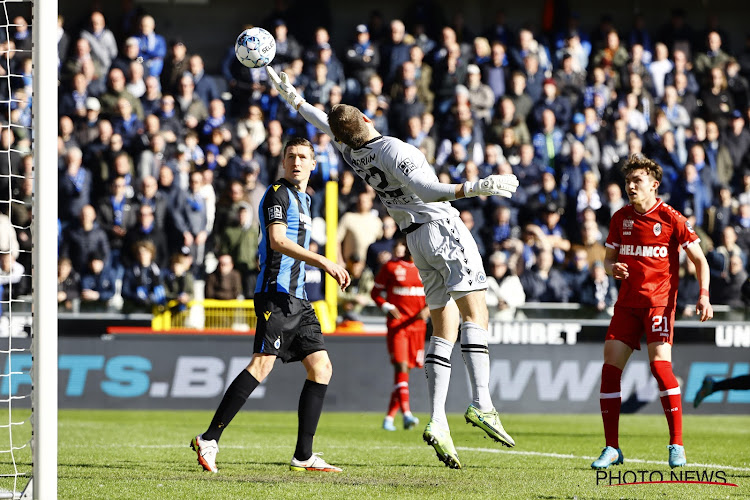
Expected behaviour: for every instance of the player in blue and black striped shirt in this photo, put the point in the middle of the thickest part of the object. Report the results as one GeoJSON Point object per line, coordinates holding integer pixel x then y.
{"type": "Point", "coordinates": [287, 326]}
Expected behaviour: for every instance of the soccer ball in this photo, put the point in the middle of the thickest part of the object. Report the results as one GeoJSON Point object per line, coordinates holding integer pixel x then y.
{"type": "Point", "coordinates": [255, 47]}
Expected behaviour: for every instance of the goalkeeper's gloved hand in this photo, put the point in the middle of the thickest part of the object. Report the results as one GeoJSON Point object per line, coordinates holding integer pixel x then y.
{"type": "Point", "coordinates": [286, 89]}
{"type": "Point", "coordinates": [493, 185]}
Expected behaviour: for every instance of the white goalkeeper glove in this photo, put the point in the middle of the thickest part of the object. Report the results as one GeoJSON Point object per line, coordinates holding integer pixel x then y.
{"type": "Point", "coordinates": [493, 185]}
{"type": "Point", "coordinates": [286, 89]}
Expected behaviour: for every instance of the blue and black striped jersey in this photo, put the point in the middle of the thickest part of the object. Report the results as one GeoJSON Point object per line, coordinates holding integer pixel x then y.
{"type": "Point", "coordinates": [283, 204]}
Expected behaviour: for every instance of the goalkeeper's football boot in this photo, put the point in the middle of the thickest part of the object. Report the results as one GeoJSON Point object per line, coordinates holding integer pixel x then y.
{"type": "Point", "coordinates": [489, 422]}
{"type": "Point", "coordinates": [441, 441]}
{"type": "Point", "coordinates": [676, 455]}
{"type": "Point", "coordinates": [410, 422]}
{"type": "Point", "coordinates": [313, 464]}
{"type": "Point", "coordinates": [609, 456]}
{"type": "Point", "coordinates": [206, 451]}
{"type": "Point", "coordinates": [707, 388]}
{"type": "Point", "coordinates": [388, 424]}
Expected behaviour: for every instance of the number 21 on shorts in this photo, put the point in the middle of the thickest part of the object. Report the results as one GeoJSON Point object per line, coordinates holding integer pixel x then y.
{"type": "Point", "coordinates": [660, 325]}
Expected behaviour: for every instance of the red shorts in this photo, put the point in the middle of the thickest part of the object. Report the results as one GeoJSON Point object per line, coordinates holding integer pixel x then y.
{"type": "Point", "coordinates": [629, 323]}
{"type": "Point", "coordinates": [406, 345]}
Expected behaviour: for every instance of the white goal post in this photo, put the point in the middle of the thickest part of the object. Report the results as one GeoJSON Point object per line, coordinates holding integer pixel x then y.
{"type": "Point", "coordinates": [44, 254]}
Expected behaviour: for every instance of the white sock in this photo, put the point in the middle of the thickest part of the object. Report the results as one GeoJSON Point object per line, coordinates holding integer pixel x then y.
{"type": "Point", "coordinates": [437, 366]}
{"type": "Point", "coordinates": [477, 360]}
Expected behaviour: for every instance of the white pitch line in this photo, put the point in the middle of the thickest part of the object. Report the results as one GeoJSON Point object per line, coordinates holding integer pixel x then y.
{"type": "Point", "coordinates": [576, 457]}
{"type": "Point", "coordinates": [466, 448]}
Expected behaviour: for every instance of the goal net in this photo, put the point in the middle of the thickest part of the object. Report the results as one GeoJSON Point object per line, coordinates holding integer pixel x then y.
{"type": "Point", "coordinates": [28, 249]}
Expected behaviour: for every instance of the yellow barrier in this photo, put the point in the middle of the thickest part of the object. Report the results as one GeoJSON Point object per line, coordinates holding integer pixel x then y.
{"type": "Point", "coordinates": [230, 315]}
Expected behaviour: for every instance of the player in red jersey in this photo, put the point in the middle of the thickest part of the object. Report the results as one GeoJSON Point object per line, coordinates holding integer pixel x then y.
{"type": "Point", "coordinates": [643, 246]}
{"type": "Point", "coordinates": [406, 310]}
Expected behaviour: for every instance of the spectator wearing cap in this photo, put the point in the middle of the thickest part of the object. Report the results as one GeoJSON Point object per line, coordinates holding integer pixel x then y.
{"type": "Point", "coordinates": [287, 47]}
{"type": "Point", "coordinates": [481, 97]}
{"type": "Point", "coordinates": [205, 86]}
{"type": "Point", "coordinates": [175, 65]}
{"type": "Point", "coordinates": [153, 47]}
{"type": "Point", "coordinates": [97, 284]}
{"type": "Point", "coordinates": [361, 60]}
{"type": "Point", "coordinates": [558, 104]}
{"type": "Point", "coordinates": [101, 39]}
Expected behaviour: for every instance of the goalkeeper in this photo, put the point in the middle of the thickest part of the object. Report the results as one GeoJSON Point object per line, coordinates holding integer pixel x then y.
{"type": "Point", "coordinates": [443, 249]}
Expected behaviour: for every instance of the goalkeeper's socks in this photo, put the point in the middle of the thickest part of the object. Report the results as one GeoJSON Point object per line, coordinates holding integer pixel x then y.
{"type": "Point", "coordinates": [610, 400]}
{"type": "Point", "coordinates": [308, 413]}
{"type": "Point", "coordinates": [477, 360]}
{"type": "Point", "coordinates": [671, 398]}
{"type": "Point", "coordinates": [437, 366]}
{"type": "Point", "coordinates": [237, 393]}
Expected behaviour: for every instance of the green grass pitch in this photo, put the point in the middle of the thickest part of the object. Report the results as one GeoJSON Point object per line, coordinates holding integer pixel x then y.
{"type": "Point", "coordinates": [145, 455]}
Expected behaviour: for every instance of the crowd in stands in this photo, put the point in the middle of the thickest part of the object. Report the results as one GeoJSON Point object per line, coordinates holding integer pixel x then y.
{"type": "Point", "coordinates": [162, 166]}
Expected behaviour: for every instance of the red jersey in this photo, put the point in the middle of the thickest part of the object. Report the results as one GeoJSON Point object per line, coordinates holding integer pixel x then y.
{"type": "Point", "coordinates": [403, 288]}
{"type": "Point", "coordinates": [649, 244]}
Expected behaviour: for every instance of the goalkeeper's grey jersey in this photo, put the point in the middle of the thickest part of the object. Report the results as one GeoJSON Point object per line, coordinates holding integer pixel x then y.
{"type": "Point", "coordinates": [398, 172]}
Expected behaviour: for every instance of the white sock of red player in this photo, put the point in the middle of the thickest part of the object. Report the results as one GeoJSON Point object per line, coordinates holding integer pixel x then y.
{"type": "Point", "coordinates": [477, 360]}
{"type": "Point", "coordinates": [437, 366]}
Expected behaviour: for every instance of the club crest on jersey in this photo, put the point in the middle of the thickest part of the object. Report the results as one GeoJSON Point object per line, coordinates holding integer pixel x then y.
{"type": "Point", "coordinates": [277, 343]}
{"type": "Point", "coordinates": [627, 223]}
{"type": "Point", "coordinates": [657, 229]}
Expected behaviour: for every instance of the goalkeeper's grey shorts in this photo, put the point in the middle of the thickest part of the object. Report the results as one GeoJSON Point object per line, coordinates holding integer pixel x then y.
{"type": "Point", "coordinates": [448, 260]}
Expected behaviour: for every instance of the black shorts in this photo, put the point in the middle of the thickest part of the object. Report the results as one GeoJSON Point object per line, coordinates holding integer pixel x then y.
{"type": "Point", "coordinates": [287, 327]}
